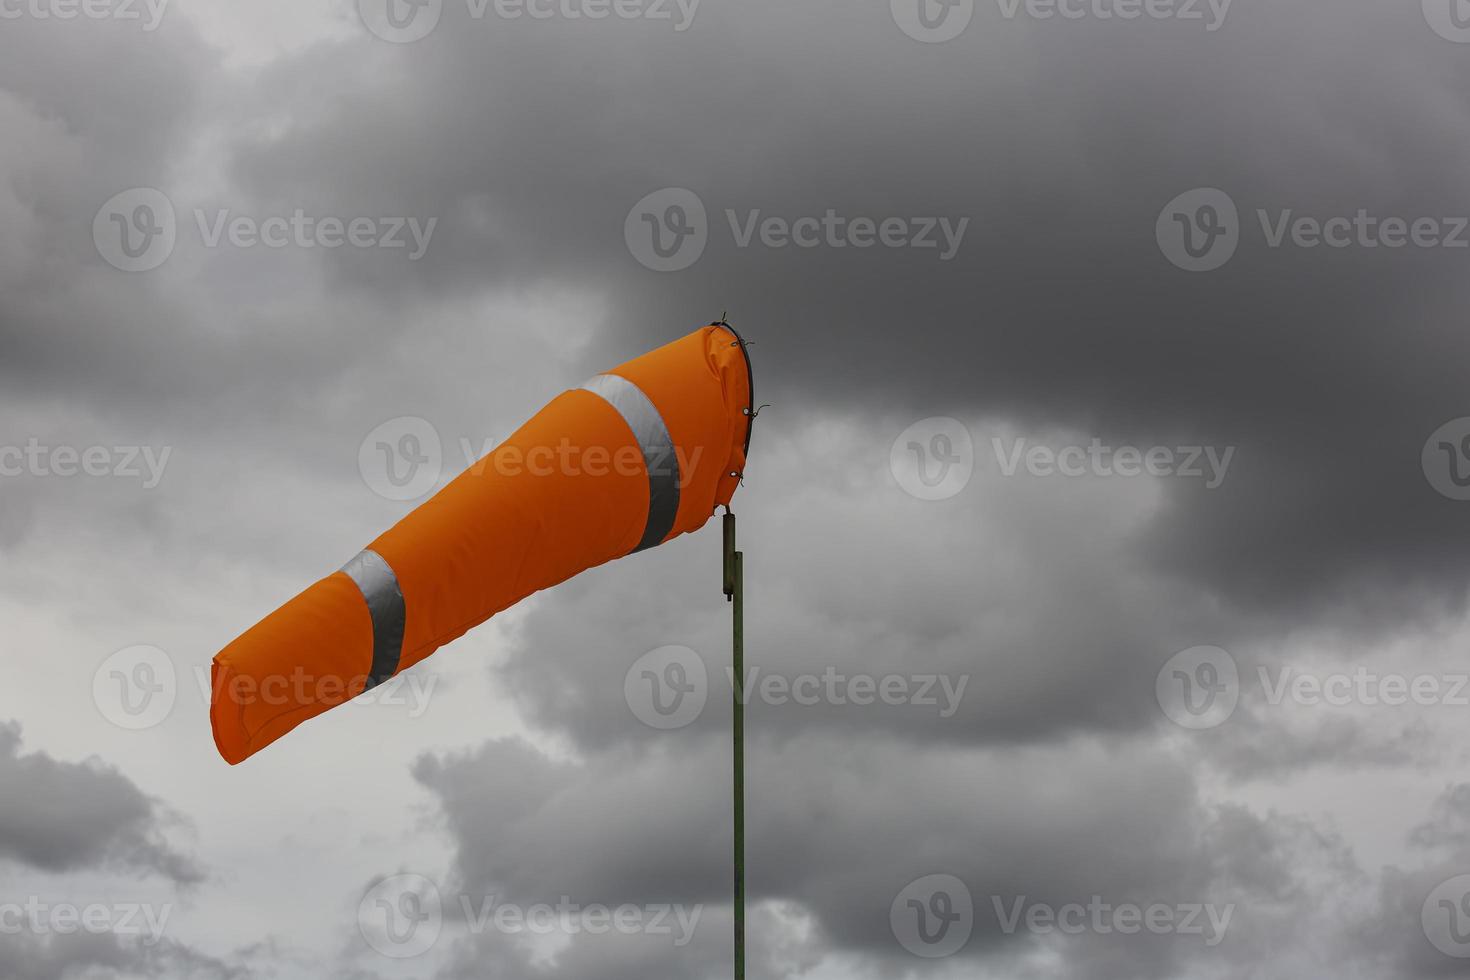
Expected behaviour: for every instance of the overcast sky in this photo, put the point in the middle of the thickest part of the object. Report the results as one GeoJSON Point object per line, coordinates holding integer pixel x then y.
{"type": "Point", "coordinates": [1119, 431]}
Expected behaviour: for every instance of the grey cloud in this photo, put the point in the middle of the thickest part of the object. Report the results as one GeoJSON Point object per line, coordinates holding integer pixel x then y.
{"type": "Point", "coordinates": [1256, 745]}
{"type": "Point", "coordinates": [108, 957]}
{"type": "Point", "coordinates": [530, 142]}
{"type": "Point", "coordinates": [1031, 602]}
{"type": "Point", "coordinates": [1391, 930]}
{"type": "Point", "coordinates": [60, 816]}
{"type": "Point", "coordinates": [838, 829]}
{"type": "Point", "coordinates": [1325, 370]}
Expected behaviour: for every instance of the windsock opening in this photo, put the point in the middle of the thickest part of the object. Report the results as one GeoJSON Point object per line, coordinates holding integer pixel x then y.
{"type": "Point", "coordinates": [630, 459]}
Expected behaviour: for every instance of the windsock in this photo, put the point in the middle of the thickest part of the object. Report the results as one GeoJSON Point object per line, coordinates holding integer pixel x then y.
{"type": "Point", "coordinates": [627, 461]}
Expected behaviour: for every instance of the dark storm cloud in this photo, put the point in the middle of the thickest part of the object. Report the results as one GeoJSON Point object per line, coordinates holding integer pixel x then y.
{"type": "Point", "coordinates": [530, 142]}
{"type": "Point", "coordinates": [1018, 605]}
{"type": "Point", "coordinates": [1325, 369]}
{"type": "Point", "coordinates": [839, 829]}
{"type": "Point", "coordinates": [1061, 143]}
{"type": "Point", "coordinates": [126, 120]}
{"type": "Point", "coordinates": [62, 816]}
{"type": "Point", "coordinates": [135, 106]}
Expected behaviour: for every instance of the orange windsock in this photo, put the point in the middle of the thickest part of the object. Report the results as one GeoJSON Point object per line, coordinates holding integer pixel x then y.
{"type": "Point", "coordinates": [627, 461]}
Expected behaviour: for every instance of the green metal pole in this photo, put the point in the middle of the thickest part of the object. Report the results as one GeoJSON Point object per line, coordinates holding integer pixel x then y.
{"type": "Point", "coordinates": [735, 593]}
